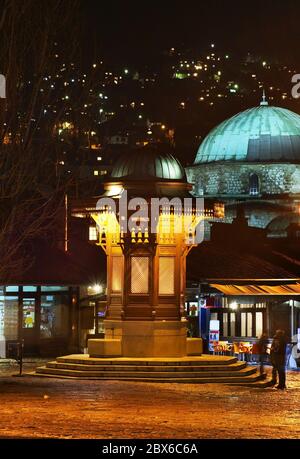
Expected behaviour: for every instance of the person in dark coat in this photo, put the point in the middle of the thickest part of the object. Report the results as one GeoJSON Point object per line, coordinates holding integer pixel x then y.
{"type": "Point", "coordinates": [277, 354]}
{"type": "Point", "coordinates": [262, 345]}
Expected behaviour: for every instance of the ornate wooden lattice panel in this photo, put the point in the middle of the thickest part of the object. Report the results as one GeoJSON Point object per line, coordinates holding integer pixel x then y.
{"type": "Point", "coordinates": [166, 275]}
{"type": "Point", "coordinates": [116, 274]}
{"type": "Point", "coordinates": [139, 275]}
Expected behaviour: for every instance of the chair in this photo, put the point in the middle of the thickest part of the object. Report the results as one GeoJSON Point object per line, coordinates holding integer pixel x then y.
{"type": "Point", "coordinates": [255, 352]}
{"type": "Point", "coordinates": [229, 347]}
{"type": "Point", "coordinates": [223, 347]}
{"type": "Point", "coordinates": [245, 349]}
{"type": "Point", "coordinates": [216, 347]}
{"type": "Point", "coordinates": [236, 350]}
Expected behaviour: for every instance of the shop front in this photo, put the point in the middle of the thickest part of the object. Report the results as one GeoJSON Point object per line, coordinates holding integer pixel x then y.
{"type": "Point", "coordinates": [43, 316]}
{"type": "Point", "coordinates": [240, 318]}
{"type": "Point", "coordinates": [244, 311]}
{"type": "Point", "coordinates": [93, 308]}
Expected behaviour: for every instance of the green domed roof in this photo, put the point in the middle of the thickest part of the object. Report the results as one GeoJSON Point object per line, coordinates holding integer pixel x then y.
{"type": "Point", "coordinates": [151, 162]}
{"type": "Point", "coordinates": [263, 133]}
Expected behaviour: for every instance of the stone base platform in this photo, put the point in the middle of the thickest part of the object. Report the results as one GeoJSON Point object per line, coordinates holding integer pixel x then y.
{"type": "Point", "coordinates": [110, 347]}
{"type": "Point", "coordinates": [142, 338]}
{"type": "Point", "coordinates": [201, 369]}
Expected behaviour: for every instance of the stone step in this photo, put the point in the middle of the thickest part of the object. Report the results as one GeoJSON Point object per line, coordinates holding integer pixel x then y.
{"type": "Point", "coordinates": [250, 380]}
{"type": "Point", "coordinates": [198, 369]}
{"type": "Point", "coordinates": [118, 374]}
{"type": "Point", "coordinates": [203, 360]}
{"type": "Point", "coordinates": [170, 368]}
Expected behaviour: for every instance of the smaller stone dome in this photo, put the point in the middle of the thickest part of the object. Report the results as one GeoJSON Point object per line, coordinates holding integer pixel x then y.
{"type": "Point", "coordinates": [152, 162]}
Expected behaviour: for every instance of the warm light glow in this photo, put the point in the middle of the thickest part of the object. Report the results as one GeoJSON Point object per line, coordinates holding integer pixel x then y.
{"type": "Point", "coordinates": [115, 190]}
{"type": "Point", "coordinates": [219, 210]}
{"type": "Point", "coordinates": [95, 289]}
{"type": "Point", "coordinates": [108, 228]}
{"type": "Point", "coordinates": [233, 305]}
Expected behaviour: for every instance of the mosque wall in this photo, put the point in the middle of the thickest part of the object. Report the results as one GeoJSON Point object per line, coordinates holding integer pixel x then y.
{"type": "Point", "coordinates": [257, 217]}
{"type": "Point", "coordinates": [232, 178]}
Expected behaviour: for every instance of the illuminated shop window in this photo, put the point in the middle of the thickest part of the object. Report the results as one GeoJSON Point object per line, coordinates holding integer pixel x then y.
{"type": "Point", "coordinates": [9, 308]}
{"type": "Point", "coordinates": [193, 309]}
{"type": "Point", "coordinates": [166, 275]}
{"type": "Point", "coordinates": [246, 324]}
{"type": "Point", "coordinates": [259, 323]}
{"type": "Point", "coordinates": [229, 324]}
{"type": "Point", "coordinates": [260, 305]}
{"type": "Point", "coordinates": [12, 288]}
{"type": "Point", "coordinates": [29, 288]}
{"type": "Point", "coordinates": [54, 288]}
{"type": "Point", "coordinates": [225, 324]}
{"type": "Point", "coordinates": [28, 313]}
{"type": "Point", "coordinates": [232, 323]}
{"type": "Point", "coordinates": [139, 274]}
{"type": "Point", "coordinates": [54, 316]}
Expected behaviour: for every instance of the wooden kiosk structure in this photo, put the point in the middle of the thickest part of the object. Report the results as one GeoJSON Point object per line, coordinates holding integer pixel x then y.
{"type": "Point", "coordinates": [146, 222]}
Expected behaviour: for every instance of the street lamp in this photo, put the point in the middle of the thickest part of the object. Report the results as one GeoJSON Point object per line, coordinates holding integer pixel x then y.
{"type": "Point", "coordinates": [233, 305]}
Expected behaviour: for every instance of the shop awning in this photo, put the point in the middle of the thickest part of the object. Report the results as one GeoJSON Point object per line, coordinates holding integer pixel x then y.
{"type": "Point", "coordinates": [236, 290]}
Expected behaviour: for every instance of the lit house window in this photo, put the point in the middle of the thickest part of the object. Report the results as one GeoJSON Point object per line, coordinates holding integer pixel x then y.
{"type": "Point", "coordinates": [93, 233]}
{"type": "Point", "coordinates": [253, 184]}
{"type": "Point", "coordinates": [96, 172]}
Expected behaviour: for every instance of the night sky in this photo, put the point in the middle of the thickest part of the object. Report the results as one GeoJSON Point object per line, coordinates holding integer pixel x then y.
{"type": "Point", "coordinates": [137, 32]}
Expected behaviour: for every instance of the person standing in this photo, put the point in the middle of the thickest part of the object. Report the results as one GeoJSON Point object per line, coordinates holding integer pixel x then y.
{"type": "Point", "coordinates": [262, 345]}
{"type": "Point", "coordinates": [278, 350]}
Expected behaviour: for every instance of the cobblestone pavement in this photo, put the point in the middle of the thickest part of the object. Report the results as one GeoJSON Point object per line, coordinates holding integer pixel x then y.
{"type": "Point", "coordinates": [56, 408]}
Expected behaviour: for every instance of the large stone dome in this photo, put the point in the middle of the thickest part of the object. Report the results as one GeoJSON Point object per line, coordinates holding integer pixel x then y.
{"type": "Point", "coordinates": [260, 134]}
{"type": "Point", "coordinates": [152, 162]}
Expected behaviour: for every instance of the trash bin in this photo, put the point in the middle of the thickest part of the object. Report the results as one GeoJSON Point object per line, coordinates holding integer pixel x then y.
{"type": "Point", "coordinates": [15, 351]}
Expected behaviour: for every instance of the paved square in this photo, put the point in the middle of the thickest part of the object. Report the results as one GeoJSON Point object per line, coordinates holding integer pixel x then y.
{"type": "Point", "coordinates": [56, 408]}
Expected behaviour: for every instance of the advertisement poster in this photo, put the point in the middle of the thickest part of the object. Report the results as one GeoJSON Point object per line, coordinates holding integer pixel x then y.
{"type": "Point", "coordinates": [214, 333]}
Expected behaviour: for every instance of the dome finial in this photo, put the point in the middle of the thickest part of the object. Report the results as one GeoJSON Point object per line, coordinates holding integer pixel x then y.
{"type": "Point", "coordinates": [264, 101]}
